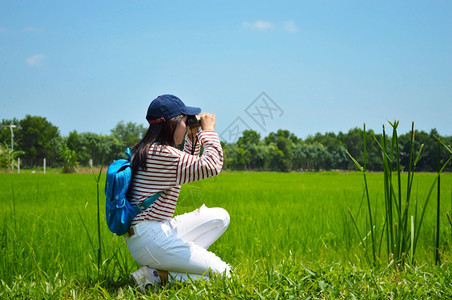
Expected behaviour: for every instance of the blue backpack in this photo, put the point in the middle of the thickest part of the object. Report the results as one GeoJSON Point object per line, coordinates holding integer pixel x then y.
{"type": "Point", "coordinates": [119, 212]}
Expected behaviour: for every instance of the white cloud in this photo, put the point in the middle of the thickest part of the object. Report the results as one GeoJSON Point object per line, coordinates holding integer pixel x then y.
{"type": "Point", "coordinates": [33, 29]}
{"type": "Point", "coordinates": [290, 26]}
{"type": "Point", "coordinates": [36, 60]}
{"type": "Point", "coordinates": [259, 25]}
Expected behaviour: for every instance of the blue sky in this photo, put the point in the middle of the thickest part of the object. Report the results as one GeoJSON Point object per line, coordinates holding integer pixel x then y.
{"type": "Point", "coordinates": [304, 66]}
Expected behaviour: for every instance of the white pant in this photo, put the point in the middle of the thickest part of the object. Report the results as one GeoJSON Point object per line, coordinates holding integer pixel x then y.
{"type": "Point", "coordinates": [180, 245]}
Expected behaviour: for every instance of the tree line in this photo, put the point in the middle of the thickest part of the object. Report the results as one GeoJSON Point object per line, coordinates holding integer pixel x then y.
{"type": "Point", "coordinates": [35, 138]}
{"type": "Point", "coordinates": [283, 151]}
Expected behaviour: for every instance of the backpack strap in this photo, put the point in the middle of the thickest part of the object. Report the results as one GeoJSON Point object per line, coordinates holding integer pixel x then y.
{"type": "Point", "coordinates": [146, 203]}
{"type": "Point", "coordinates": [129, 154]}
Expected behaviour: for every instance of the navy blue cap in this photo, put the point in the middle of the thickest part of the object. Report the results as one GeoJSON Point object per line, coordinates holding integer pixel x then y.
{"type": "Point", "coordinates": [165, 107]}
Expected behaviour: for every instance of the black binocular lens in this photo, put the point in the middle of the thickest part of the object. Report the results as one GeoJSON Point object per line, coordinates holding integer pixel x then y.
{"type": "Point", "coordinates": [193, 121]}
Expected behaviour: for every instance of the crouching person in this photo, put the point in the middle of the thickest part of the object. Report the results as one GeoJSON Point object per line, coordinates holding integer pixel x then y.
{"type": "Point", "coordinates": [174, 248]}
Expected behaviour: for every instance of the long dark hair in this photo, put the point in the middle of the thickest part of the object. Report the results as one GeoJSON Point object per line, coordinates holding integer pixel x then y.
{"type": "Point", "coordinates": [160, 133]}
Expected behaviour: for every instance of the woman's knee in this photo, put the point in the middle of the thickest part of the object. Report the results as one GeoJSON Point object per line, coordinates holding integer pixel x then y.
{"type": "Point", "coordinates": [219, 213]}
{"type": "Point", "coordinates": [225, 217]}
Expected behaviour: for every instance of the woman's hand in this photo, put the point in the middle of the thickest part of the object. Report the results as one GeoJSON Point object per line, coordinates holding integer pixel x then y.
{"type": "Point", "coordinates": [208, 121]}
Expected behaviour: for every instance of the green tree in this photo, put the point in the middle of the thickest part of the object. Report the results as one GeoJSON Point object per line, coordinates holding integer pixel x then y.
{"type": "Point", "coordinates": [228, 155]}
{"type": "Point", "coordinates": [277, 161]}
{"type": "Point", "coordinates": [284, 141]}
{"type": "Point", "coordinates": [260, 159]}
{"type": "Point", "coordinates": [102, 149]}
{"type": "Point", "coordinates": [248, 138]}
{"type": "Point", "coordinates": [73, 141]}
{"type": "Point", "coordinates": [128, 134]}
{"type": "Point", "coordinates": [300, 154]}
{"type": "Point", "coordinates": [253, 154]}
{"type": "Point", "coordinates": [39, 139]}
{"type": "Point", "coordinates": [335, 148]}
{"type": "Point", "coordinates": [420, 137]}
{"type": "Point", "coordinates": [329, 140]}
{"type": "Point", "coordinates": [235, 158]}
{"type": "Point", "coordinates": [317, 157]}
{"type": "Point", "coordinates": [339, 158]}
{"type": "Point", "coordinates": [354, 143]}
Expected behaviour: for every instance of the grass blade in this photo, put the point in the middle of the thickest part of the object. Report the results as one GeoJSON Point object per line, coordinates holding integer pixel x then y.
{"type": "Point", "coordinates": [449, 218]}
{"type": "Point", "coordinates": [438, 205]}
{"type": "Point", "coordinates": [87, 231]}
{"type": "Point", "coordinates": [355, 161]}
{"type": "Point", "coordinates": [427, 200]}
{"type": "Point", "coordinates": [367, 196]}
{"type": "Point", "coordinates": [412, 241]}
{"type": "Point", "coordinates": [99, 250]}
{"type": "Point", "coordinates": [359, 235]}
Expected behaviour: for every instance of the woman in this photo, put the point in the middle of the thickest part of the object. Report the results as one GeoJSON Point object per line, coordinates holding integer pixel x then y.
{"type": "Point", "coordinates": [174, 248]}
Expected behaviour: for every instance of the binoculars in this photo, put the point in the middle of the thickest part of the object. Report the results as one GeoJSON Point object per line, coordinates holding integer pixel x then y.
{"type": "Point", "coordinates": [193, 121]}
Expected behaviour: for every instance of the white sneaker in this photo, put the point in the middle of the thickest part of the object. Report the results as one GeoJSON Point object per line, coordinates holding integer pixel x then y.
{"type": "Point", "coordinates": [146, 278]}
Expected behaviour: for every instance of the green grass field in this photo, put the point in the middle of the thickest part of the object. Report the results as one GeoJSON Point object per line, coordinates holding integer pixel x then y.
{"type": "Point", "coordinates": [290, 236]}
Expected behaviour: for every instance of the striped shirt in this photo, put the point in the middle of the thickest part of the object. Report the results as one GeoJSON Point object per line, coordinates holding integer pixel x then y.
{"type": "Point", "coordinates": [167, 168]}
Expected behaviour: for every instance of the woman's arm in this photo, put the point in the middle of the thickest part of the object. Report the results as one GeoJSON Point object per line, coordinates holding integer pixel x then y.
{"type": "Point", "coordinates": [195, 167]}
{"type": "Point", "coordinates": [192, 168]}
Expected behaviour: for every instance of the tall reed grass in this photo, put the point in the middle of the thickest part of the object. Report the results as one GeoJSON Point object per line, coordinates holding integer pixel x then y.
{"type": "Point", "coordinates": [403, 219]}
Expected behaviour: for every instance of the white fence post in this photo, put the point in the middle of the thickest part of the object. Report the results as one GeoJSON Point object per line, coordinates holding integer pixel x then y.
{"type": "Point", "coordinates": [44, 165]}
{"type": "Point", "coordinates": [18, 166]}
